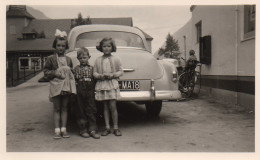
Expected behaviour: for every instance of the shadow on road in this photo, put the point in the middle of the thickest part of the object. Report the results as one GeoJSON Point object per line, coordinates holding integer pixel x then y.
{"type": "Point", "coordinates": [130, 115]}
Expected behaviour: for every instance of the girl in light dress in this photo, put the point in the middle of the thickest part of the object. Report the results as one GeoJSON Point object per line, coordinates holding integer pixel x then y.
{"type": "Point", "coordinates": [107, 70]}
{"type": "Point", "coordinates": [62, 83]}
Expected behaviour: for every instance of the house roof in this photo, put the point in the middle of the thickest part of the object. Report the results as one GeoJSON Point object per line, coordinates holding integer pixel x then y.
{"type": "Point", "coordinates": [126, 21]}
{"type": "Point", "coordinates": [48, 26]}
{"type": "Point", "coordinates": [30, 45]}
{"type": "Point", "coordinates": [18, 11]}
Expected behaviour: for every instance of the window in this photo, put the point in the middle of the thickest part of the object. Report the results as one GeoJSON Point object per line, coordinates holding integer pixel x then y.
{"type": "Point", "coordinates": [30, 63]}
{"type": "Point", "coordinates": [249, 21]}
{"type": "Point", "coordinates": [122, 39]}
{"type": "Point", "coordinates": [36, 63]}
{"type": "Point", "coordinates": [12, 29]}
{"type": "Point", "coordinates": [198, 31]}
{"type": "Point", "coordinates": [24, 63]}
{"type": "Point", "coordinates": [29, 35]}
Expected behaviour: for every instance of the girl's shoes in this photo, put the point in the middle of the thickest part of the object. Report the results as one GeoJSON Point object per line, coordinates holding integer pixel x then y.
{"type": "Point", "coordinates": [117, 132]}
{"type": "Point", "coordinates": [106, 132]}
{"type": "Point", "coordinates": [57, 136]}
{"type": "Point", "coordinates": [65, 135]}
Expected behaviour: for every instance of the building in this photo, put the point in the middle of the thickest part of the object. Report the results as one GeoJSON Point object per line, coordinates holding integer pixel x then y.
{"type": "Point", "coordinates": [223, 38]}
{"type": "Point", "coordinates": [29, 40]}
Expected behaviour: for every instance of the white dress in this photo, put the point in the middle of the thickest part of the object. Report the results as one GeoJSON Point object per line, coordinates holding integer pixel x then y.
{"type": "Point", "coordinates": [59, 86]}
{"type": "Point", "coordinates": [107, 89]}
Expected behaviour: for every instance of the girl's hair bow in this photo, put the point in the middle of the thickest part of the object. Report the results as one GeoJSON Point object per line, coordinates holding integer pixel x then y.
{"type": "Point", "coordinates": [59, 33]}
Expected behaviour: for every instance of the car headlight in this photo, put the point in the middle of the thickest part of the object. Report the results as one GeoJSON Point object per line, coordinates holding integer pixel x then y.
{"type": "Point", "coordinates": [174, 76]}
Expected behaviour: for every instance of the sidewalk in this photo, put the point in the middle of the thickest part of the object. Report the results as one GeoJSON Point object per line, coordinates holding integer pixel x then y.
{"type": "Point", "coordinates": [31, 82]}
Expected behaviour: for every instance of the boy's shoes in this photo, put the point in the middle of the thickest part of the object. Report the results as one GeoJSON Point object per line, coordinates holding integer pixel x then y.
{"type": "Point", "coordinates": [84, 134]}
{"type": "Point", "coordinates": [106, 132]}
{"type": "Point", "coordinates": [57, 136]}
{"type": "Point", "coordinates": [117, 132]}
{"type": "Point", "coordinates": [65, 135]}
{"type": "Point", "coordinates": [94, 135]}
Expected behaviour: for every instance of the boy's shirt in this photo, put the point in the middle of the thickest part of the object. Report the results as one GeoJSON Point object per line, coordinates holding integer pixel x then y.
{"type": "Point", "coordinates": [192, 58]}
{"type": "Point", "coordinates": [191, 62]}
{"type": "Point", "coordinates": [83, 73]}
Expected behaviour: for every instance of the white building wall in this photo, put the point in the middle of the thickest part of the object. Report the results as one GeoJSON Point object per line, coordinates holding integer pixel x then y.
{"type": "Point", "coordinates": [231, 54]}
{"type": "Point", "coordinates": [219, 22]}
{"type": "Point", "coordinates": [245, 49]}
{"type": "Point", "coordinates": [184, 44]}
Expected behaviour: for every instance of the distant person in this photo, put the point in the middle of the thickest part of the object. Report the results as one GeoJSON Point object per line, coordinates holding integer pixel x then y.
{"type": "Point", "coordinates": [87, 110]}
{"type": "Point", "coordinates": [107, 69]}
{"type": "Point", "coordinates": [62, 84]}
{"type": "Point", "coordinates": [192, 61]}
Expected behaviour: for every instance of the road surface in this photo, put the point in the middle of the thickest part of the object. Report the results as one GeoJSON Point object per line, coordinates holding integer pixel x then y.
{"type": "Point", "coordinates": [193, 125]}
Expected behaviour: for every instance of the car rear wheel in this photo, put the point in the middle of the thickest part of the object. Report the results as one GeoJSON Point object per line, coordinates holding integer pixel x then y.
{"type": "Point", "coordinates": [153, 108]}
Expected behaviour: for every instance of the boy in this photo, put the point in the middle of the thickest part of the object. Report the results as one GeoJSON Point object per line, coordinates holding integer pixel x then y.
{"type": "Point", "coordinates": [192, 61]}
{"type": "Point", "coordinates": [85, 95]}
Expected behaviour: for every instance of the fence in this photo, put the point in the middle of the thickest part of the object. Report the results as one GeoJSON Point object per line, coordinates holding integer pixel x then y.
{"type": "Point", "coordinates": [23, 76]}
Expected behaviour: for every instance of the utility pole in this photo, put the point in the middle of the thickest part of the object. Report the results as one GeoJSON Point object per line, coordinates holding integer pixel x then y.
{"type": "Point", "coordinates": [184, 37]}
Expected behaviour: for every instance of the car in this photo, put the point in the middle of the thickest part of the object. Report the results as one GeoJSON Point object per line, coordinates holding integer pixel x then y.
{"type": "Point", "coordinates": [176, 62]}
{"type": "Point", "coordinates": [145, 79]}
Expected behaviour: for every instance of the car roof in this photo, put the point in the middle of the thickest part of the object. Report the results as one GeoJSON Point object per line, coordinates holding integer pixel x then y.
{"type": "Point", "coordinates": [101, 27]}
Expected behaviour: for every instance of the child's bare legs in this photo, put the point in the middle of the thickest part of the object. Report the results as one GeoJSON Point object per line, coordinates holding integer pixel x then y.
{"type": "Point", "coordinates": [107, 118]}
{"type": "Point", "coordinates": [111, 106]}
{"type": "Point", "coordinates": [106, 114]}
{"type": "Point", "coordinates": [113, 109]}
{"type": "Point", "coordinates": [64, 110]}
{"type": "Point", "coordinates": [56, 115]}
{"type": "Point", "coordinates": [60, 113]}
{"type": "Point", "coordinates": [114, 114]}
{"type": "Point", "coordinates": [64, 115]}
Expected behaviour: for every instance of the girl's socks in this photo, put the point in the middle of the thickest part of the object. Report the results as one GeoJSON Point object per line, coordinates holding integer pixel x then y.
{"type": "Point", "coordinates": [115, 126]}
{"type": "Point", "coordinates": [57, 130]}
{"type": "Point", "coordinates": [63, 129]}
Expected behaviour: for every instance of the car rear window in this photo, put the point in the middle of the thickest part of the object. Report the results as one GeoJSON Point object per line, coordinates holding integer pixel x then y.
{"type": "Point", "coordinates": [122, 39]}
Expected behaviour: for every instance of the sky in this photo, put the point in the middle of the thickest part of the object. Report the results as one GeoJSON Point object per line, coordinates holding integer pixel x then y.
{"type": "Point", "coordinates": [155, 20]}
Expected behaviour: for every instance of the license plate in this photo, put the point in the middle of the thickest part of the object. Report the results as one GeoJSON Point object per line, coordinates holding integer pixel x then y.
{"type": "Point", "coordinates": [129, 85]}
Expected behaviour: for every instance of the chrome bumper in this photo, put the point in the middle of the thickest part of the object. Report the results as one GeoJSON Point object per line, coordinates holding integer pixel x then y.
{"type": "Point", "coordinates": [149, 96]}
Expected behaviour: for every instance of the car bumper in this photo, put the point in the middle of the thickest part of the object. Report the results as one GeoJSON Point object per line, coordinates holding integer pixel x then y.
{"type": "Point", "coordinates": [149, 95]}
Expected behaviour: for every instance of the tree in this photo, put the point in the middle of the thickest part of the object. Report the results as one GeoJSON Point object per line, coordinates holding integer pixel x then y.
{"type": "Point", "coordinates": [171, 49]}
{"type": "Point", "coordinates": [161, 51]}
{"type": "Point", "coordinates": [88, 21]}
{"type": "Point", "coordinates": [80, 21]}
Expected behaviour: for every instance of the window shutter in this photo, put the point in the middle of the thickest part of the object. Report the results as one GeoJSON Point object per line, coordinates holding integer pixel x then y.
{"type": "Point", "coordinates": [205, 49]}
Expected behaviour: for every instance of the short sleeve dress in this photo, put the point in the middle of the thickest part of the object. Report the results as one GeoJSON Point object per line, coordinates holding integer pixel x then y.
{"type": "Point", "coordinates": [107, 89]}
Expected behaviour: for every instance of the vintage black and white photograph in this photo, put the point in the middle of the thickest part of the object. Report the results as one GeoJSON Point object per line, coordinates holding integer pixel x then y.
{"type": "Point", "coordinates": [130, 78]}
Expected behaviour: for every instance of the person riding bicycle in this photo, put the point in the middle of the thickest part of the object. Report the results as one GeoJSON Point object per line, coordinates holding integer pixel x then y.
{"type": "Point", "coordinates": [188, 78]}
{"type": "Point", "coordinates": [191, 62]}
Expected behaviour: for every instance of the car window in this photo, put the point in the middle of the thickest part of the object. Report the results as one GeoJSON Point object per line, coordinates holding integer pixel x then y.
{"type": "Point", "coordinates": [122, 39]}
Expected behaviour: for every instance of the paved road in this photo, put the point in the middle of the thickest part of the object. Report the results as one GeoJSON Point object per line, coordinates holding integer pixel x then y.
{"type": "Point", "coordinates": [195, 125]}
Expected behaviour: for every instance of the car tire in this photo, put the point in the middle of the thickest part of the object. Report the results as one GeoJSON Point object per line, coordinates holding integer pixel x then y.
{"type": "Point", "coordinates": [153, 108]}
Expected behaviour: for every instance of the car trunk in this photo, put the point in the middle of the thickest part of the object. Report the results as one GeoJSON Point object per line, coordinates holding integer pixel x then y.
{"type": "Point", "coordinates": [137, 63]}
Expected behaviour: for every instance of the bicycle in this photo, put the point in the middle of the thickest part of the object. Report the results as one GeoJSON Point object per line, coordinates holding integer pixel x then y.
{"type": "Point", "coordinates": [188, 79]}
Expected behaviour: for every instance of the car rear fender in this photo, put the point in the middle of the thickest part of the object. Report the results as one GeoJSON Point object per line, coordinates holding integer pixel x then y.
{"type": "Point", "coordinates": [169, 79]}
